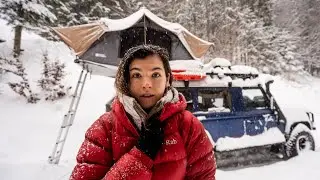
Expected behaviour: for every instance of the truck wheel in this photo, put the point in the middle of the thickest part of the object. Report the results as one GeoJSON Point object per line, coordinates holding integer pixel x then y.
{"type": "Point", "coordinates": [299, 141]}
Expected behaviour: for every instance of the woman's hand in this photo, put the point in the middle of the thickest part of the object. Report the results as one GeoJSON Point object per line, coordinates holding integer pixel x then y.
{"type": "Point", "coordinates": [151, 137]}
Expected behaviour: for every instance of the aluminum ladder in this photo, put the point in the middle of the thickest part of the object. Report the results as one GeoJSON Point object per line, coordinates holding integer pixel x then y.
{"type": "Point", "coordinates": [68, 118]}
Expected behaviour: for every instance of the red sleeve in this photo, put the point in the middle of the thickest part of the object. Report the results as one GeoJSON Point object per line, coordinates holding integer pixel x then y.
{"type": "Point", "coordinates": [200, 154]}
{"type": "Point", "coordinates": [94, 159]}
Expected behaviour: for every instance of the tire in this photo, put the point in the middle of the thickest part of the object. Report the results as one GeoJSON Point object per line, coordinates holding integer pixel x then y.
{"type": "Point", "coordinates": [299, 141]}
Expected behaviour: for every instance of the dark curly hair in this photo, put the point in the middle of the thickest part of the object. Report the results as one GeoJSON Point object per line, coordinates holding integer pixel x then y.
{"type": "Point", "coordinates": [139, 52]}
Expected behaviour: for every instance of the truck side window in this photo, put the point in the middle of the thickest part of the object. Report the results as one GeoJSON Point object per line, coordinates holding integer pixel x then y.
{"type": "Point", "coordinates": [187, 94]}
{"type": "Point", "coordinates": [214, 100]}
{"type": "Point", "coordinates": [253, 99]}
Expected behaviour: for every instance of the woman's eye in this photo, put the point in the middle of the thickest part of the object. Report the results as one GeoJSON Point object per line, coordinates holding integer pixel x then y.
{"type": "Point", "coordinates": [155, 75]}
{"type": "Point", "coordinates": [136, 75]}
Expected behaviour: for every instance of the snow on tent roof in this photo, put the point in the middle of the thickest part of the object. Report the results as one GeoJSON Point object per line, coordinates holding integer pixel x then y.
{"type": "Point", "coordinates": [196, 46]}
{"type": "Point", "coordinates": [121, 24]}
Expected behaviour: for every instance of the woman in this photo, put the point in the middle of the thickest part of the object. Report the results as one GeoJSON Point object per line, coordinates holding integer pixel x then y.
{"type": "Point", "coordinates": [148, 134]}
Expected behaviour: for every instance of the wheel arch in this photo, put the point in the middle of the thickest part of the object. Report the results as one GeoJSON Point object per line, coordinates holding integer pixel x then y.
{"type": "Point", "coordinates": [297, 123]}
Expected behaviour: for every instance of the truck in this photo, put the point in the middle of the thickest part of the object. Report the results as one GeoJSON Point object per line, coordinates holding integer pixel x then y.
{"type": "Point", "coordinates": [240, 114]}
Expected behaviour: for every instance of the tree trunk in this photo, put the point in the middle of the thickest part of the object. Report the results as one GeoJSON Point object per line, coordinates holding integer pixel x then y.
{"type": "Point", "coordinates": [18, 32]}
{"type": "Point", "coordinates": [17, 41]}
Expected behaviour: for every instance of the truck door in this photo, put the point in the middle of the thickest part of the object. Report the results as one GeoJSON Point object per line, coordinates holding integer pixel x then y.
{"type": "Point", "coordinates": [257, 115]}
{"type": "Point", "coordinates": [214, 109]}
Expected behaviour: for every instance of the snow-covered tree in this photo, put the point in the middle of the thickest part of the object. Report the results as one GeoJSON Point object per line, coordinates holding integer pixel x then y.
{"type": "Point", "coordinates": [63, 11]}
{"type": "Point", "coordinates": [21, 86]}
{"type": "Point", "coordinates": [74, 12]}
{"type": "Point", "coordinates": [273, 51]}
{"type": "Point", "coordinates": [88, 10]}
{"type": "Point", "coordinates": [29, 14]}
{"type": "Point", "coordinates": [51, 80]}
{"type": "Point", "coordinates": [301, 17]}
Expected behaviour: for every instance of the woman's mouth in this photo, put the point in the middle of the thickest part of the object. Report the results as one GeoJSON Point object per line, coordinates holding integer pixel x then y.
{"type": "Point", "coordinates": [147, 96]}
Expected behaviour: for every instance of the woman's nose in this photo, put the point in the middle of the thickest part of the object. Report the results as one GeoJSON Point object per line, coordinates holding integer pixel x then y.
{"type": "Point", "coordinates": [146, 83]}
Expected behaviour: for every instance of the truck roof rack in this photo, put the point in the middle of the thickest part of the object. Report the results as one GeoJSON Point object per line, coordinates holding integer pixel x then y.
{"type": "Point", "coordinates": [235, 75]}
{"type": "Point", "coordinates": [213, 74]}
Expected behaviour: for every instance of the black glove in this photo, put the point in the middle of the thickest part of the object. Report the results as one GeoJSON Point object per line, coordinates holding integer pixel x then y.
{"type": "Point", "coordinates": [151, 137]}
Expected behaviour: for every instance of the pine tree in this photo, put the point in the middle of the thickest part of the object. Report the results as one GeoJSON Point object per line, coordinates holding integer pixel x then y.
{"type": "Point", "coordinates": [51, 80]}
{"type": "Point", "coordinates": [22, 87]}
{"type": "Point", "coordinates": [62, 9]}
{"type": "Point", "coordinates": [301, 17]}
{"type": "Point", "coordinates": [75, 12]}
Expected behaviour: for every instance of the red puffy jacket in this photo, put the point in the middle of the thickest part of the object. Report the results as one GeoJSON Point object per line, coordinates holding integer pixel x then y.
{"type": "Point", "coordinates": [109, 152]}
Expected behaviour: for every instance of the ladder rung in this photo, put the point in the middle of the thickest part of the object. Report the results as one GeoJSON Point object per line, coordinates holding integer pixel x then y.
{"type": "Point", "coordinates": [68, 125]}
{"type": "Point", "coordinates": [70, 112]}
{"type": "Point", "coordinates": [60, 141]}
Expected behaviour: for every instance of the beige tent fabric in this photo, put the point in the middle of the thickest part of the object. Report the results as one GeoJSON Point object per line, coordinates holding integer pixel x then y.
{"type": "Point", "coordinates": [198, 46]}
{"type": "Point", "coordinates": [80, 37]}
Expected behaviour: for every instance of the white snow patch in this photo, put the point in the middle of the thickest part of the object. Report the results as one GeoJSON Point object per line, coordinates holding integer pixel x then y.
{"type": "Point", "coordinates": [219, 109]}
{"type": "Point", "coordinates": [241, 69]}
{"type": "Point", "coordinates": [217, 62]}
{"type": "Point", "coordinates": [271, 136]}
{"type": "Point", "coordinates": [201, 118]}
{"type": "Point", "coordinates": [304, 166]}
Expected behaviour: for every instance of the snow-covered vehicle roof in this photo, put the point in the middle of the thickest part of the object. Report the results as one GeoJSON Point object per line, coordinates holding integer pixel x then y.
{"type": "Point", "coordinates": [218, 73]}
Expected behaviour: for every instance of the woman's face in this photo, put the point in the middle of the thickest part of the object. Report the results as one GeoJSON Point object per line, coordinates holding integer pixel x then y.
{"type": "Point", "coordinates": [148, 80]}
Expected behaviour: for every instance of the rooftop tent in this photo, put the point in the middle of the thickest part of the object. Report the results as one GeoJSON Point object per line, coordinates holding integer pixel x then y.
{"type": "Point", "coordinates": [102, 44]}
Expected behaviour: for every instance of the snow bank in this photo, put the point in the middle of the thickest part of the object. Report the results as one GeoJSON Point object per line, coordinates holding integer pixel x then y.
{"type": "Point", "coordinates": [305, 166]}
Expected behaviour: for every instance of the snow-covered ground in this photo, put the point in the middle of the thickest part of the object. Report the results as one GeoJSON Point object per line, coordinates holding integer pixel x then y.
{"type": "Point", "coordinates": [28, 131]}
